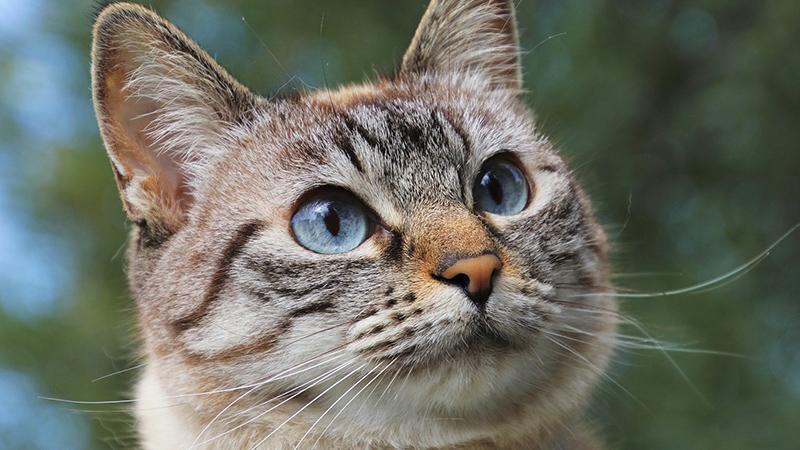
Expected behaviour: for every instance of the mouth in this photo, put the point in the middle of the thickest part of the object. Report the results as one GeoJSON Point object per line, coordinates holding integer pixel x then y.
{"type": "Point", "coordinates": [477, 342]}
{"type": "Point", "coordinates": [483, 335]}
{"type": "Point", "coordinates": [448, 327]}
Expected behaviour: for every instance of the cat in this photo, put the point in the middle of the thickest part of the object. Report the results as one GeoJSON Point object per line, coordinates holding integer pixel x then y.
{"type": "Point", "coordinates": [402, 263]}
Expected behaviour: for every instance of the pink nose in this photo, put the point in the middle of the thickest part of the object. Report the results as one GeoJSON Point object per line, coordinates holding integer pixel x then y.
{"type": "Point", "coordinates": [474, 275]}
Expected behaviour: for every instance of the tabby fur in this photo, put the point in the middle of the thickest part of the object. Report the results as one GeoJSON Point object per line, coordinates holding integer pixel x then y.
{"type": "Point", "coordinates": [233, 312]}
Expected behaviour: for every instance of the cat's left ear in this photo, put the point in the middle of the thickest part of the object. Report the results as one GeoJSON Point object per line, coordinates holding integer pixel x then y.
{"type": "Point", "coordinates": [477, 36]}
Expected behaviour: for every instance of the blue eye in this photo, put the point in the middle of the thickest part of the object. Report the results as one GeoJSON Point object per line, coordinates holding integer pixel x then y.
{"type": "Point", "coordinates": [330, 223]}
{"type": "Point", "coordinates": [501, 188]}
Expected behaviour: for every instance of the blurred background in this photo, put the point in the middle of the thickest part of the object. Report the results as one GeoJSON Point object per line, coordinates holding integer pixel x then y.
{"type": "Point", "coordinates": [682, 119]}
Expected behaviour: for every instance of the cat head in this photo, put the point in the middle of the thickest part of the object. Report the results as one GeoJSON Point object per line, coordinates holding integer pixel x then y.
{"type": "Point", "coordinates": [418, 233]}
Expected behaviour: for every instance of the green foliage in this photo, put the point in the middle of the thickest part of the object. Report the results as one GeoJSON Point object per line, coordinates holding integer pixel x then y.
{"type": "Point", "coordinates": [680, 117]}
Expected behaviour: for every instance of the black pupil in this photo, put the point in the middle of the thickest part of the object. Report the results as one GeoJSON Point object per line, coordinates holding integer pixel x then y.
{"type": "Point", "coordinates": [494, 187]}
{"type": "Point", "coordinates": [331, 220]}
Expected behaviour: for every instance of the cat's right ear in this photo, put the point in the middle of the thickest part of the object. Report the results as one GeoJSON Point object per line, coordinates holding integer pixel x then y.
{"type": "Point", "coordinates": [163, 106]}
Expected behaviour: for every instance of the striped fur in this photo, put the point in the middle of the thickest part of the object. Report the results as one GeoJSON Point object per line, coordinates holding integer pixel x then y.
{"type": "Point", "coordinates": [210, 174]}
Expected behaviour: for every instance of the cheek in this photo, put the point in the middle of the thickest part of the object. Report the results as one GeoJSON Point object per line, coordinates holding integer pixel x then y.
{"type": "Point", "coordinates": [549, 247]}
{"type": "Point", "coordinates": [413, 318]}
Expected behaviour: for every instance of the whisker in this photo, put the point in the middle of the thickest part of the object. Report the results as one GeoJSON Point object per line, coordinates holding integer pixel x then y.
{"type": "Point", "coordinates": [657, 345]}
{"type": "Point", "coordinates": [82, 402]}
{"type": "Point", "coordinates": [369, 396]}
{"type": "Point", "coordinates": [299, 390]}
{"type": "Point", "coordinates": [405, 380]}
{"type": "Point", "coordinates": [248, 392]}
{"type": "Point", "coordinates": [547, 39]}
{"type": "Point", "coordinates": [596, 369]}
{"type": "Point", "coordinates": [197, 394]}
{"type": "Point", "coordinates": [138, 366]}
{"type": "Point", "coordinates": [570, 338]}
{"type": "Point", "coordinates": [337, 401]}
{"type": "Point", "coordinates": [672, 362]}
{"type": "Point", "coordinates": [645, 274]}
{"type": "Point", "coordinates": [351, 400]}
{"type": "Point", "coordinates": [258, 444]}
{"type": "Point", "coordinates": [314, 333]}
{"type": "Point", "coordinates": [295, 391]}
{"type": "Point", "coordinates": [394, 377]}
{"type": "Point", "coordinates": [714, 283]}
{"type": "Point", "coordinates": [271, 54]}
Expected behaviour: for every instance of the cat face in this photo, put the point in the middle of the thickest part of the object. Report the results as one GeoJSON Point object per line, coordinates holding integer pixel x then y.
{"type": "Point", "coordinates": [417, 236]}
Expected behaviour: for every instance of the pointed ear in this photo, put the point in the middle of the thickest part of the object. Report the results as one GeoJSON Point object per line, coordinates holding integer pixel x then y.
{"type": "Point", "coordinates": [478, 36]}
{"type": "Point", "coordinates": [163, 106]}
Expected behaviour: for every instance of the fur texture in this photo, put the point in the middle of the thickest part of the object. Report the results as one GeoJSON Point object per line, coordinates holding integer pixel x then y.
{"type": "Point", "coordinates": [253, 341]}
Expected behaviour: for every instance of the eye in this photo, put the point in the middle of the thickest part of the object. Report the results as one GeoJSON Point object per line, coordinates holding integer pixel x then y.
{"type": "Point", "coordinates": [501, 187]}
{"type": "Point", "coordinates": [332, 222]}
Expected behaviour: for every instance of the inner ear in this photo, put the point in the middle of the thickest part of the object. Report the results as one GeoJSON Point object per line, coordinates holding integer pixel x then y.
{"type": "Point", "coordinates": [135, 116]}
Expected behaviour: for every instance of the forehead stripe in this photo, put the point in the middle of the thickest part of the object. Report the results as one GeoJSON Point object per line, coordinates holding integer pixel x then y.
{"type": "Point", "coordinates": [344, 142]}
{"type": "Point", "coordinates": [356, 128]}
{"type": "Point", "coordinates": [459, 131]}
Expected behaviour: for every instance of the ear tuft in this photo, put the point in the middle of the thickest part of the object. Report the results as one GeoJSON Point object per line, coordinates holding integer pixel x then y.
{"type": "Point", "coordinates": [475, 36]}
{"type": "Point", "coordinates": [163, 106]}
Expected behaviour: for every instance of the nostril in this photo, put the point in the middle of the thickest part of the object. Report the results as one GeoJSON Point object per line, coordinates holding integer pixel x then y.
{"type": "Point", "coordinates": [461, 280]}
